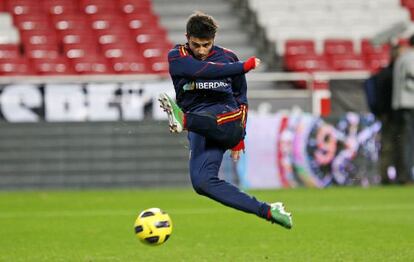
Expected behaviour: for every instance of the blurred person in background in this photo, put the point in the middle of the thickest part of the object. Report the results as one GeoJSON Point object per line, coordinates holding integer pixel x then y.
{"type": "Point", "coordinates": [403, 103]}
{"type": "Point", "coordinates": [211, 89]}
{"type": "Point", "coordinates": [382, 109]}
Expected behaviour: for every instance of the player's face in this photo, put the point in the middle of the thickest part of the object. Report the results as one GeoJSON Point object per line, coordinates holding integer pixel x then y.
{"type": "Point", "coordinates": [200, 47]}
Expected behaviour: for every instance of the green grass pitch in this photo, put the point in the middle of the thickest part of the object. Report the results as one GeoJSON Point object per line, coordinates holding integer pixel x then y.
{"type": "Point", "coordinates": [335, 224]}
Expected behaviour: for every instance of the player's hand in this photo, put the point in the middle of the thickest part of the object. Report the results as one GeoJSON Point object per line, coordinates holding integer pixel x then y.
{"type": "Point", "coordinates": [235, 154]}
{"type": "Point", "coordinates": [251, 63]}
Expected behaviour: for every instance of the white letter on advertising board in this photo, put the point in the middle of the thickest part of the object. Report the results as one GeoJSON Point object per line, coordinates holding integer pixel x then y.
{"type": "Point", "coordinates": [17, 102]}
{"type": "Point", "coordinates": [64, 103]}
{"type": "Point", "coordinates": [100, 98]}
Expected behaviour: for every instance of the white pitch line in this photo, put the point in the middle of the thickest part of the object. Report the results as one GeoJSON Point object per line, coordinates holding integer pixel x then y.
{"type": "Point", "coordinates": [195, 211]}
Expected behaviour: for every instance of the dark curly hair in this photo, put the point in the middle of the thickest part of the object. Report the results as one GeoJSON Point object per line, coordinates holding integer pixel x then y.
{"type": "Point", "coordinates": [201, 25]}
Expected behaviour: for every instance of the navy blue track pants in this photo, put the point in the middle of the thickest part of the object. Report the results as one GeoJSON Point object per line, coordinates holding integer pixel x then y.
{"type": "Point", "coordinates": [208, 142]}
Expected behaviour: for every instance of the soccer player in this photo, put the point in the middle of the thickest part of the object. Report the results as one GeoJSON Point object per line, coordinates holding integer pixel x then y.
{"type": "Point", "coordinates": [210, 87]}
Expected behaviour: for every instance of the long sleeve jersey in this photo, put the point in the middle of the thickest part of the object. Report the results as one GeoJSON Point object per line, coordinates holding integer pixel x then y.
{"type": "Point", "coordinates": [200, 83]}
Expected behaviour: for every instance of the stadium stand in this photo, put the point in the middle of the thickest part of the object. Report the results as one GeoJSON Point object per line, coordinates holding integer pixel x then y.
{"type": "Point", "coordinates": [330, 35]}
{"type": "Point", "coordinates": [81, 37]}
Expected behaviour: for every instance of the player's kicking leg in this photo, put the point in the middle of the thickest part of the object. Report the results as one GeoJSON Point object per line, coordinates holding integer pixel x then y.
{"type": "Point", "coordinates": [174, 112]}
{"type": "Point", "coordinates": [278, 215]}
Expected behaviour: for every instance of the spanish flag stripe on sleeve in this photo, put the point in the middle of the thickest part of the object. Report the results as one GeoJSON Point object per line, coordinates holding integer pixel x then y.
{"type": "Point", "coordinates": [182, 50]}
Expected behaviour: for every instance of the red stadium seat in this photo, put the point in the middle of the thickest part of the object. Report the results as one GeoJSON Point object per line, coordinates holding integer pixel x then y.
{"type": "Point", "coordinates": [307, 63]}
{"type": "Point", "coordinates": [376, 61]}
{"type": "Point", "coordinates": [407, 3]}
{"type": "Point", "coordinates": [338, 47]}
{"type": "Point", "coordinates": [23, 7]}
{"type": "Point", "coordinates": [52, 66]}
{"type": "Point", "coordinates": [9, 51]}
{"type": "Point", "coordinates": [45, 51]}
{"type": "Point", "coordinates": [158, 65]}
{"type": "Point", "coordinates": [105, 21]}
{"type": "Point", "coordinates": [59, 7]}
{"type": "Point", "coordinates": [148, 36]}
{"type": "Point", "coordinates": [403, 42]}
{"type": "Point", "coordinates": [411, 10]}
{"type": "Point", "coordinates": [15, 66]}
{"type": "Point", "coordinates": [78, 50]}
{"type": "Point", "coordinates": [39, 37]}
{"type": "Point", "coordinates": [135, 6]}
{"type": "Point", "coordinates": [91, 65]}
{"type": "Point", "coordinates": [119, 50]}
{"type": "Point", "coordinates": [98, 6]}
{"type": "Point", "coordinates": [70, 21]}
{"type": "Point", "coordinates": [75, 36]}
{"type": "Point", "coordinates": [155, 49]}
{"type": "Point", "coordinates": [368, 48]}
{"type": "Point", "coordinates": [348, 62]}
{"type": "Point", "coordinates": [141, 20]}
{"type": "Point", "coordinates": [109, 39]}
{"type": "Point", "coordinates": [32, 22]}
{"type": "Point", "coordinates": [130, 65]}
{"type": "Point", "coordinates": [299, 47]}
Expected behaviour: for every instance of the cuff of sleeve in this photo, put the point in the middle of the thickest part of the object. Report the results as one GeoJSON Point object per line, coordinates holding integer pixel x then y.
{"type": "Point", "coordinates": [239, 146]}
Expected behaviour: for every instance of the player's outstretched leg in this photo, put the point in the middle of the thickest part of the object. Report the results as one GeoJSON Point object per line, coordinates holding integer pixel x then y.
{"type": "Point", "coordinates": [175, 114]}
{"type": "Point", "coordinates": [278, 215]}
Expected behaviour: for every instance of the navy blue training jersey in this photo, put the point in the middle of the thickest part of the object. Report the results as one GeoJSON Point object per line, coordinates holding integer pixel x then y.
{"type": "Point", "coordinates": [201, 83]}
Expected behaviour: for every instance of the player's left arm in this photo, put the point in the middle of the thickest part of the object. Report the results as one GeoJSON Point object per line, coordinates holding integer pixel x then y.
{"type": "Point", "coordinates": [239, 86]}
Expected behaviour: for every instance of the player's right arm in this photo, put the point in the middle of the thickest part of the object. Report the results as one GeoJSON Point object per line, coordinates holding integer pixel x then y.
{"type": "Point", "coordinates": [184, 65]}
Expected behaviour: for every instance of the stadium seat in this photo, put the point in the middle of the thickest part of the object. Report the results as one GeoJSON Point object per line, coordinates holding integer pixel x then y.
{"type": "Point", "coordinates": [113, 35]}
{"type": "Point", "coordinates": [98, 6]}
{"type": "Point", "coordinates": [135, 6]}
{"type": "Point", "coordinates": [59, 7]}
{"type": "Point", "coordinates": [23, 7]}
{"type": "Point", "coordinates": [70, 21]}
{"type": "Point", "coordinates": [407, 3]}
{"type": "Point", "coordinates": [307, 63]}
{"type": "Point", "coordinates": [150, 35]}
{"type": "Point", "coordinates": [158, 65]}
{"type": "Point", "coordinates": [104, 21]}
{"type": "Point", "coordinates": [73, 36]}
{"type": "Point", "coordinates": [91, 65]}
{"type": "Point", "coordinates": [9, 51]}
{"type": "Point", "coordinates": [77, 50]}
{"type": "Point", "coordinates": [139, 20]}
{"type": "Point", "coordinates": [39, 37]}
{"type": "Point", "coordinates": [52, 66]}
{"type": "Point", "coordinates": [15, 66]}
{"type": "Point", "coordinates": [403, 42]}
{"type": "Point", "coordinates": [32, 22]}
{"type": "Point", "coordinates": [347, 62]}
{"type": "Point", "coordinates": [41, 51]}
{"type": "Point", "coordinates": [115, 40]}
{"type": "Point", "coordinates": [338, 47]}
{"type": "Point", "coordinates": [376, 61]}
{"type": "Point", "coordinates": [157, 49]}
{"type": "Point", "coordinates": [130, 65]}
{"type": "Point", "coordinates": [119, 50]}
{"type": "Point", "coordinates": [368, 48]}
{"type": "Point", "coordinates": [299, 47]}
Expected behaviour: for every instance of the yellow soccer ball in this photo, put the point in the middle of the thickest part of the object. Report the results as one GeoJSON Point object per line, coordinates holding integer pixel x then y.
{"type": "Point", "coordinates": [153, 226]}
